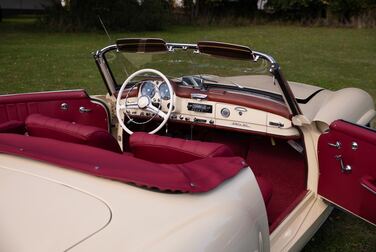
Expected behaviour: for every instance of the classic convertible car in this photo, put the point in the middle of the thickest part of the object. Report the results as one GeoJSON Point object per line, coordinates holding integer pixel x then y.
{"type": "Point", "coordinates": [196, 147]}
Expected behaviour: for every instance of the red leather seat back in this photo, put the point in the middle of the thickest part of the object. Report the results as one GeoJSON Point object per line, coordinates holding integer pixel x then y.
{"type": "Point", "coordinates": [161, 149]}
{"type": "Point", "coordinates": [48, 127]}
{"type": "Point", "coordinates": [17, 127]}
{"type": "Point", "coordinates": [265, 188]}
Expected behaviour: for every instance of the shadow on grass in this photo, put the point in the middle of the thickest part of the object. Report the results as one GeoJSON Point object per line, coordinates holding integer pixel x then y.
{"type": "Point", "coordinates": [343, 232]}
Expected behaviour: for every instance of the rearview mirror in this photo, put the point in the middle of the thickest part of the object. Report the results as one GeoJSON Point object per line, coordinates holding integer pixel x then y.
{"type": "Point", "coordinates": [225, 50]}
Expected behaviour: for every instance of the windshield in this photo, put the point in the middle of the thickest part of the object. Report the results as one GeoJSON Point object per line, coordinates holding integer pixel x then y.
{"type": "Point", "coordinates": [183, 64]}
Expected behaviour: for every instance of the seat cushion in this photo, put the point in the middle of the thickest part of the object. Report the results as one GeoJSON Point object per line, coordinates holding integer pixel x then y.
{"type": "Point", "coordinates": [48, 127]}
{"type": "Point", "coordinates": [12, 126]}
{"type": "Point", "coordinates": [161, 149]}
{"type": "Point", "coordinates": [194, 177]}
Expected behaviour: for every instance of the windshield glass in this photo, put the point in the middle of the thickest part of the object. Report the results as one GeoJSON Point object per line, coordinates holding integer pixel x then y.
{"type": "Point", "coordinates": [182, 63]}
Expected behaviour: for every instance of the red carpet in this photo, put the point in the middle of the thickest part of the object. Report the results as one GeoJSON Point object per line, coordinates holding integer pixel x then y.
{"type": "Point", "coordinates": [285, 168]}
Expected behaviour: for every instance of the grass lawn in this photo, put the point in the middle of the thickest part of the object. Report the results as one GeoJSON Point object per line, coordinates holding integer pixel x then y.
{"type": "Point", "coordinates": [32, 60]}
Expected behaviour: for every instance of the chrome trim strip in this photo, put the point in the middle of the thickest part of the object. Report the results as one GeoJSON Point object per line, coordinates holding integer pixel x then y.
{"type": "Point", "coordinates": [368, 188]}
{"type": "Point", "coordinates": [199, 96]}
{"type": "Point", "coordinates": [43, 92]}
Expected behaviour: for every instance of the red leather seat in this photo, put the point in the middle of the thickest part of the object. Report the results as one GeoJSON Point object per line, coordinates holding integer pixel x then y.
{"type": "Point", "coordinates": [161, 149]}
{"type": "Point", "coordinates": [12, 126]}
{"type": "Point", "coordinates": [265, 188]}
{"type": "Point", "coordinates": [48, 127]}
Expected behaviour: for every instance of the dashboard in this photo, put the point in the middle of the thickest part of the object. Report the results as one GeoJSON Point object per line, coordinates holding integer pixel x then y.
{"type": "Point", "coordinates": [216, 108]}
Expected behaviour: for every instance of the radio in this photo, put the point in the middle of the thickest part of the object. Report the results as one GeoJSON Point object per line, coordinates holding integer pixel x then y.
{"type": "Point", "coordinates": [198, 107]}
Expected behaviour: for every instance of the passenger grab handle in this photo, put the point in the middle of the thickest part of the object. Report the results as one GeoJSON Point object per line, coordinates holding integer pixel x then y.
{"type": "Point", "coordinates": [369, 183]}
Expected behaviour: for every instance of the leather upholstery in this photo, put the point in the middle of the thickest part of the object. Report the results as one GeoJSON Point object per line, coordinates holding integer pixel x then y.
{"type": "Point", "coordinates": [197, 176]}
{"type": "Point", "coordinates": [265, 188]}
{"type": "Point", "coordinates": [12, 126]}
{"type": "Point", "coordinates": [161, 149]}
{"type": "Point", "coordinates": [19, 106]}
{"type": "Point", "coordinates": [48, 127]}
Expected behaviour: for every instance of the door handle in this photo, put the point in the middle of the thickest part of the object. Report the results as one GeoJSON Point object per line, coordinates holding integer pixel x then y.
{"type": "Point", "coordinates": [368, 183]}
{"type": "Point", "coordinates": [344, 168]}
{"type": "Point", "coordinates": [84, 110]}
{"type": "Point", "coordinates": [337, 145]}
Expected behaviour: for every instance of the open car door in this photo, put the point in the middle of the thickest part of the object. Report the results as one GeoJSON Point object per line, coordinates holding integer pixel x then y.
{"type": "Point", "coordinates": [347, 163]}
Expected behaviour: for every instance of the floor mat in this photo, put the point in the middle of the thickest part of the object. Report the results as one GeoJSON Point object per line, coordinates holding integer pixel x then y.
{"type": "Point", "coordinates": [285, 168]}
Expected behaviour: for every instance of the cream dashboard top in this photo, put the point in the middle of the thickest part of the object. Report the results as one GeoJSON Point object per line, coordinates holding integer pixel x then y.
{"type": "Point", "coordinates": [216, 108]}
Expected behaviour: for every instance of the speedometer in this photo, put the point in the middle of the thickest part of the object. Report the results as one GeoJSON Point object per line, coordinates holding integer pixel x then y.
{"type": "Point", "coordinates": [148, 89]}
{"type": "Point", "coordinates": [164, 92]}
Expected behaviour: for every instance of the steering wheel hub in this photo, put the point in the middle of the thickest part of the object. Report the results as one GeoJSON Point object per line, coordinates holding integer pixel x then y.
{"type": "Point", "coordinates": [143, 102]}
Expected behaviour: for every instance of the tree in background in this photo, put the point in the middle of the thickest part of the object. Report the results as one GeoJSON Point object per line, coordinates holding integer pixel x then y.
{"type": "Point", "coordinates": [156, 14]}
{"type": "Point", "coordinates": [332, 11]}
{"type": "Point", "coordinates": [76, 15]}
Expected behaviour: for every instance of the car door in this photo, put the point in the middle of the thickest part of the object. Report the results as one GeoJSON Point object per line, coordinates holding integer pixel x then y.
{"type": "Point", "coordinates": [72, 105]}
{"type": "Point", "coordinates": [347, 165]}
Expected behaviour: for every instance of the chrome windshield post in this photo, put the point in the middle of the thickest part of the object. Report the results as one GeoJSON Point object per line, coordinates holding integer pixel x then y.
{"type": "Point", "coordinates": [287, 93]}
{"type": "Point", "coordinates": [103, 68]}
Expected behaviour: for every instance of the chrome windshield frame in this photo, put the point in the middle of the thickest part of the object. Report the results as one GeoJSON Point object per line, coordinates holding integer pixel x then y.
{"type": "Point", "coordinates": [275, 70]}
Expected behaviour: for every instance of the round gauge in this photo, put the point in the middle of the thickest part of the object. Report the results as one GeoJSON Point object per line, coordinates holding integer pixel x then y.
{"type": "Point", "coordinates": [148, 89]}
{"type": "Point", "coordinates": [164, 92]}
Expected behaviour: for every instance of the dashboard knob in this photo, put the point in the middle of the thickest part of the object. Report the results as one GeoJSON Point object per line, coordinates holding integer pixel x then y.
{"type": "Point", "coordinates": [211, 121]}
{"type": "Point", "coordinates": [225, 112]}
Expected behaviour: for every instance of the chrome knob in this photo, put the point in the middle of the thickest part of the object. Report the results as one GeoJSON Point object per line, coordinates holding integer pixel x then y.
{"type": "Point", "coordinates": [64, 106]}
{"type": "Point", "coordinates": [84, 110]}
{"type": "Point", "coordinates": [337, 144]}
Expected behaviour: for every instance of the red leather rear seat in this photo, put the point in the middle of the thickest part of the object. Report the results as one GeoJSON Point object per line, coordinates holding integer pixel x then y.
{"type": "Point", "coordinates": [12, 126]}
{"type": "Point", "coordinates": [48, 127]}
{"type": "Point", "coordinates": [161, 149]}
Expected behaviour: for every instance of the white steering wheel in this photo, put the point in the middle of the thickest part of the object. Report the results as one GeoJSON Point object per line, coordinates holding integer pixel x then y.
{"type": "Point", "coordinates": [143, 102]}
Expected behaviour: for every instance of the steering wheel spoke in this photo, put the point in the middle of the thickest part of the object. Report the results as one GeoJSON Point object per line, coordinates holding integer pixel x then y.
{"type": "Point", "coordinates": [131, 105]}
{"type": "Point", "coordinates": [155, 110]}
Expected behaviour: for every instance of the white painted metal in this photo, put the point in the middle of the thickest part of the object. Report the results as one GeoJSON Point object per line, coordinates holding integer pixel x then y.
{"type": "Point", "coordinates": [228, 218]}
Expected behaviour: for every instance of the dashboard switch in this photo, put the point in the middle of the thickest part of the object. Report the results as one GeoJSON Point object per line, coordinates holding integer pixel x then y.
{"type": "Point", "coordinates": [225, 112]}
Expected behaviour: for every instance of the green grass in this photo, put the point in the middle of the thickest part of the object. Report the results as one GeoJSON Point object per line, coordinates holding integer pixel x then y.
{"type": "Point", "coordinates": [33, 60]}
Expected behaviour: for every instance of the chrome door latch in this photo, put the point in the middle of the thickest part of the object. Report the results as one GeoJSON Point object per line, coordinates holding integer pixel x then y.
{"type": "Point", "coordinates": [64, 106]}
{"type": "Point", "coordinates": [344, 168]}
{"type": "Point", "coordinates": [337, 144]}
{"type": "Point", "coordinates": [84, 110]}
{"type": "Point", "coordinates": [354, 146]}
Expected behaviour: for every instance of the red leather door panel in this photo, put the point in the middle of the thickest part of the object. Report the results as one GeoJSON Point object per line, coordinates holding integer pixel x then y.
{"type": "Point", "coordinates": [352, 186]}
{"type": "Point", "coordinates": [17, 107]}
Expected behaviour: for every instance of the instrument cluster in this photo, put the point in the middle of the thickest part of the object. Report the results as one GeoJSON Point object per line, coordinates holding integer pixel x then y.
{"type": "Point", "coordinates": [155, 88]}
